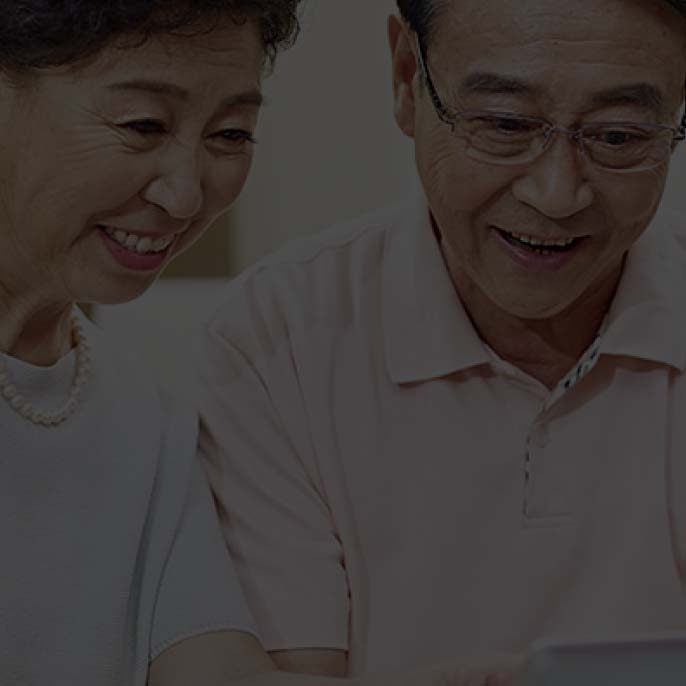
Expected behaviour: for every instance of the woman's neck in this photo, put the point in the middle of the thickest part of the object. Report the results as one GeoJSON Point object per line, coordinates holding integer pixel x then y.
{"type": "Point", "coordinates": [35, 332]}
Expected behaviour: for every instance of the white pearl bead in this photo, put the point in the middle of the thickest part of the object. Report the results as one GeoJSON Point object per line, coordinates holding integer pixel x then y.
{"type": "Point", "coordinates": [81, 375]}
{"type": "Point", "coordinates": [24, 408]}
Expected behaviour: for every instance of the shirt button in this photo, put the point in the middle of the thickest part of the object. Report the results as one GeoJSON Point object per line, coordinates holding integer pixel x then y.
{"type": "Point", "coordinates": [539, 437]}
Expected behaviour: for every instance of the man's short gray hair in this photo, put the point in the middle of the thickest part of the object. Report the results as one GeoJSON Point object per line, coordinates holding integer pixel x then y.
{"type": "Point", "coordinates": [421, 14]}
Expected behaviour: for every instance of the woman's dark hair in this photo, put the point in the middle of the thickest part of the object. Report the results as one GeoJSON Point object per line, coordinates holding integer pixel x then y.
{"type": "Point", "coordinates": [36, 34]}
{"type": "Point", "coordinates": [421, 14]}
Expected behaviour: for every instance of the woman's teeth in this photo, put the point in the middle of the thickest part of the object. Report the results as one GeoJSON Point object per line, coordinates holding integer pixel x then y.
{"type": "Point", "coordinates": [143, 245]}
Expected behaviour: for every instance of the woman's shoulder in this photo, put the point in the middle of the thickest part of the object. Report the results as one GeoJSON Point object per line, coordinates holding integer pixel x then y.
{"type": "Point", "coordinates": [124, 384]}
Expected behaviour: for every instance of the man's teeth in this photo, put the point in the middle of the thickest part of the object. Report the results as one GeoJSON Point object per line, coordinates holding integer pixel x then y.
{"type": "Point", "coordinates": [534, 242]}
{"type": "Point", "coordinates": [141, 244]}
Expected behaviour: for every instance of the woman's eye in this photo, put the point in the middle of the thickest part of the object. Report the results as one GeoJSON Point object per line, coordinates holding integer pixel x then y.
{"type": "Point", "coordinates": [235, 139]}
{"type": "Point", "coordinates": [145, 127]}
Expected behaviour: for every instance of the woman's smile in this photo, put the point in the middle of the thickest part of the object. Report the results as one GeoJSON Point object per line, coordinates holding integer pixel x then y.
{"type": "Point", "coordinates": [138, 252]}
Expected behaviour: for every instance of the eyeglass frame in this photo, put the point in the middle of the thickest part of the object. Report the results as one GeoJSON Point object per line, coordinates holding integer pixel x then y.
{"type": "Point", "coordinates": [451, 119]}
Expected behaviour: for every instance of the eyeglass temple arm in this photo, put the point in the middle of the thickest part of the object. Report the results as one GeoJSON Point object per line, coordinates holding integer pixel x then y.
{"type": "Point", "coordinates": [440, 108]}
{"type": "Point", "coordinates": [682, 129]}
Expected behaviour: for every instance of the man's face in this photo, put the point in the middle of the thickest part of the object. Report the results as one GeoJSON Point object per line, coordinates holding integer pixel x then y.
{"type": "Point", "coordinates": [568, 60]}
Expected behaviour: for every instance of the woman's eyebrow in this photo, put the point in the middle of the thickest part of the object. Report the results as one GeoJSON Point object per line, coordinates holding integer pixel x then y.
{"type": "Point", "coordinates": [250, 97]}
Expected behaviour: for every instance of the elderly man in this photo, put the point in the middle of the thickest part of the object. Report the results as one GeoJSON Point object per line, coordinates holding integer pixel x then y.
{"type": "Point", "coordinates": [458, 426]}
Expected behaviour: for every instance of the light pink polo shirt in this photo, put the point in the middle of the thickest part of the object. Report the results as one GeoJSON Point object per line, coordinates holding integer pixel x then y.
{"type": "Point", "coordinates": [390, 487]}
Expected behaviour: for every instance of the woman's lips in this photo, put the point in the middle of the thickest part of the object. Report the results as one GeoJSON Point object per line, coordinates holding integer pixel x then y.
{"type": "Point", "coordinates": [138, 261]}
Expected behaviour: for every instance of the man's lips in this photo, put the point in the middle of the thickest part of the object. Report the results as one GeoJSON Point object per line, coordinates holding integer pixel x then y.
{"type": "Point", "coordinates": [541, 238]}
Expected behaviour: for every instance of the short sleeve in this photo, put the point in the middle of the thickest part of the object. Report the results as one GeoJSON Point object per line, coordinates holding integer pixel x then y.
{"type": "Point", "coordinates": [199, 591]}
{"type": "Point", "coordinates": [254, 440]}
{"type": "Point", "coordinates": [676, 477]}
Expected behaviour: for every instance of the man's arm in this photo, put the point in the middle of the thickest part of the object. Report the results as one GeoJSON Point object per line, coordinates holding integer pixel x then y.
{"type": "Point", "coordinates": [324, 662]}
{"type": "Point", "coordinates": [215, 659]}
{"type": "Point", "coordinates": [233, 658]}
{"type": "Point", "coordinates": [256, 445]}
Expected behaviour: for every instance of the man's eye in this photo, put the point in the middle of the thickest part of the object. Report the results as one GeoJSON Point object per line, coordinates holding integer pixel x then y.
{"type": "Point", "coordinates": [507, 125]}
{"type": "Point", "coordinates": [504, 128]}
{"type": "Point", "coordinates": [145, 127]}
{"type": "Point", "coordinates": [621, 138]}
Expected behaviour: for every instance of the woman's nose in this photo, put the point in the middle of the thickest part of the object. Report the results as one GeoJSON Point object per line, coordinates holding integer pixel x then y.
{"type": "Point", "coordinates": [178, 189]}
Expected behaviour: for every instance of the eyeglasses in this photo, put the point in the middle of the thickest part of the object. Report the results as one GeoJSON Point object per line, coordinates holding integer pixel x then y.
{"type": "Point", "coordinates": [508, 139]}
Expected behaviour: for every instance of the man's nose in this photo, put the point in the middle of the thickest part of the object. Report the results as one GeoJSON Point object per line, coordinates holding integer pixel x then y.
{"type": "Point", "coordinates": [554, 184]}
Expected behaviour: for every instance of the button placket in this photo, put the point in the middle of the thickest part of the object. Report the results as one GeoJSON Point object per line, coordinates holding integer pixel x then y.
{"type": "Point", "coordinates": [533, 449]}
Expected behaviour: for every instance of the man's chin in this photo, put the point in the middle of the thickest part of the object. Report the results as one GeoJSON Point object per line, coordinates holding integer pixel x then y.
{"type": "Point", "coordinates": [521, 304]}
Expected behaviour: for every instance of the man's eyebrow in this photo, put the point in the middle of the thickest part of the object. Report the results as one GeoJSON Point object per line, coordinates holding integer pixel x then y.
{"type": "Point", "coordinates": [251, 97]}
{"type": "Point", "coordinates": [639, 94]}
{"type": "Point", "coordinates": [486, 82]}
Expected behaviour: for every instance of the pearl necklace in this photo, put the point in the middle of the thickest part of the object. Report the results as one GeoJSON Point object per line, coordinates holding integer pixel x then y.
{"type": "Point", "coordinates": [24, 408]}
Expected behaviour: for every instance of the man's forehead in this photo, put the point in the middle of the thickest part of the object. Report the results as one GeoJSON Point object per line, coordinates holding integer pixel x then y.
{"type": "Point", "coordinates": [624, 52]}
{"type": "Point", "coordinates": [613, 23]}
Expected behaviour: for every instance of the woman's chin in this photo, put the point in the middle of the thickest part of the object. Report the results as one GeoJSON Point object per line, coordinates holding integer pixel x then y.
{"type": "Point", "coordinates": [118, 290]}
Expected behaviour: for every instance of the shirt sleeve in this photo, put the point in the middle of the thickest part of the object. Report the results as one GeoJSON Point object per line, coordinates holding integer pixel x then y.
{"type": "Point", "coordinates": [254, 440]}
{"type": "Point", "coordinates": [199, 591]}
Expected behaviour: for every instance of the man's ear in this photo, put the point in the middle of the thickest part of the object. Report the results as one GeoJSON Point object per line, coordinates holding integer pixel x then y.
{"type": "Point", "coordinates": [405, 70]}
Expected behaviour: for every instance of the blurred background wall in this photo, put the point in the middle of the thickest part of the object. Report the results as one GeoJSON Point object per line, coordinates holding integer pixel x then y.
{"type": "Point", "coordinates": [329, 150]}
{"type": "Point", "coordinates": [329, 147]}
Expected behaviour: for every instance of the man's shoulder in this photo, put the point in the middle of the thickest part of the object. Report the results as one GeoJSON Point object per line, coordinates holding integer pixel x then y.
{"type": "Point", "coordinates": [358, 234]}
{"type": "Point", "coordinates": [673, 223]}
{"type": "Point", "coordinates": [318, 277]}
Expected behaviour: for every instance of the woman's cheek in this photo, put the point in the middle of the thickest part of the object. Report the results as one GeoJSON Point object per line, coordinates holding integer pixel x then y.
{"type": "Point", "coordinates": [228, 183]}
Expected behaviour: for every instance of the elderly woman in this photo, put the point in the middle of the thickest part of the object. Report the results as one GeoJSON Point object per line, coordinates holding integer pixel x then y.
{"type": "Point", "coordinates": [127, 128]}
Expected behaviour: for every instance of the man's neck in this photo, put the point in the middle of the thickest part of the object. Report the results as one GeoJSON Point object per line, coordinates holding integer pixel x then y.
{"type": "Point", "coordinates": [544, 349]}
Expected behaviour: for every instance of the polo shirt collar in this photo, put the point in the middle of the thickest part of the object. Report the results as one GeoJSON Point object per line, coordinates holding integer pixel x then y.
{"type": "Point", "coordinates": [647, 319]}
{"type": "Point", "coordinates": [428, 334]}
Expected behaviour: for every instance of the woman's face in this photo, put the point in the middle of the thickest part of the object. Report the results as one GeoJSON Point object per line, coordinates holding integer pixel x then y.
{"type": "Point", "coordinates": [108, 172]}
